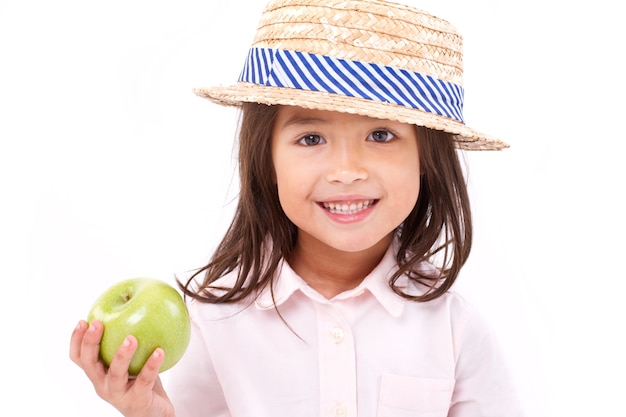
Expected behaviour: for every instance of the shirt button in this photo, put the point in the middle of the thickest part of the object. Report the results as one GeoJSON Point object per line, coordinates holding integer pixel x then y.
{"type": "Point", "coordinates": [337, 334]}
{"type": "Point", "coordinates": [340, 411]}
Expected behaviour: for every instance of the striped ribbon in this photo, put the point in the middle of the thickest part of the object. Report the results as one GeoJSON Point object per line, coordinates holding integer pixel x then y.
{"type": "Point", "coordinates": [304, 71]}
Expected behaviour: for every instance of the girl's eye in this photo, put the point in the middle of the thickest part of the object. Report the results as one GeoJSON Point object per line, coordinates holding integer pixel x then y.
{"type": "Point", "coordinates": [311, 140]}
{"type": "Point", "coordinates": [380, 136]}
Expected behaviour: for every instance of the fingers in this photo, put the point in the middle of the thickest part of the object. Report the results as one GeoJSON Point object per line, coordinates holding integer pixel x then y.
{"type": "Point", "coordinates": [85, 343]}
{"type": "Point", "coordinates": [131, 395]}
{"type": "Point", "coordinates": [118, 370]}
{"type": "Point", "coordinates": [76, 341]}
{"type": "Point", "coordinates": [89, 355]}
{"type": "Point", "coordinates": [148, 375]}
{"type": "Point", "coordinates": [90, 346]}
{"type": "Point", "coordinates": [134, 396]}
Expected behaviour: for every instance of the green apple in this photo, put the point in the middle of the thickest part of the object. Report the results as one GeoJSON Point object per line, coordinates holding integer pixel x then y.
{"type": "Point", "coordinates": [150, 310]}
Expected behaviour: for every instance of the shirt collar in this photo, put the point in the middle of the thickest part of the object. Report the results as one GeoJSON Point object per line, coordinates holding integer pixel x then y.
{"type": "Point", "coordinates": [287, 283]}
{"type": "Point", "coordinates": [377, 283]}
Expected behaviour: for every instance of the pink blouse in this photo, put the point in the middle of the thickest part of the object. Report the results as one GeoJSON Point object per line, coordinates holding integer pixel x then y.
{"type": "Point", "coordinates": [367, 352]}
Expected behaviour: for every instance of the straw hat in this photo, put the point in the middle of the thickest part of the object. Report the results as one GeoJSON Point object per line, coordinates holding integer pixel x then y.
{"type": "Point", "coordinates": [370, 57]}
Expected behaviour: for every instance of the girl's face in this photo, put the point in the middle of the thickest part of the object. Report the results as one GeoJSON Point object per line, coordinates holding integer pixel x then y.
{"type": "Point", "coordinates": [345, 181]}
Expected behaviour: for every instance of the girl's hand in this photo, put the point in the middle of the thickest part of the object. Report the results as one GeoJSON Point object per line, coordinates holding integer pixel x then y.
{"type": "Point", "coordinates": [140, 396]}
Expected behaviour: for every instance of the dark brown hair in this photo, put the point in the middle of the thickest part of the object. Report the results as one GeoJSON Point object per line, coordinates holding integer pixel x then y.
{"type": "Point", "coordinates": [438, 230]}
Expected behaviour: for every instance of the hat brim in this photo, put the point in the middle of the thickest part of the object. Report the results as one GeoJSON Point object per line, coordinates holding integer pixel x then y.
{"type": "Point", "coordinates": [466, 138]}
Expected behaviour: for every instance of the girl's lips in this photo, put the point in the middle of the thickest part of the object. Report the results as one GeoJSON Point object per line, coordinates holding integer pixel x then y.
{"type": "Point", "coordinates": [347, 207]}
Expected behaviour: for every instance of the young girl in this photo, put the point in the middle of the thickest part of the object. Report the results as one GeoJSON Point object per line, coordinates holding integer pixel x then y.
{"type": "Point", "coordinates": [330, 293]}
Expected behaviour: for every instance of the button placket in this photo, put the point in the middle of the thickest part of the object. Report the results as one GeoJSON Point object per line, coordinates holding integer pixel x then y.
{"type": "Point", "coordinates": [337, 362]}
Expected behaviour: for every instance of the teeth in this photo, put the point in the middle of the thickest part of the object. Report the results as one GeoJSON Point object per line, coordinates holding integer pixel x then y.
{"type": "Point", "coordinates": [347, 208]}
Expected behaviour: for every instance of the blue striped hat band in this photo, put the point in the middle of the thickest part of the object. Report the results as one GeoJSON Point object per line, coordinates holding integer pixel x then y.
{"type": "Point", "coordinates": [380, 83]}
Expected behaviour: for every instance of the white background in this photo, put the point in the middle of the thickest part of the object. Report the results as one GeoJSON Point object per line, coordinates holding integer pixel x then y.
{"type": "Point", "coordinates": [111, 168]}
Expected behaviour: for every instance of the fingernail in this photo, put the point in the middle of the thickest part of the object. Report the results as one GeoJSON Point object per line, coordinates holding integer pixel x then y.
{"type": "Point", "coordinates": [91, 328]}
{"type": "Point", "coordinates": [126, 342]}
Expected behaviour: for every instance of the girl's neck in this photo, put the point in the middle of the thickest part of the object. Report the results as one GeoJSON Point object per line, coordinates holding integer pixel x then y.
{"type": "Point", "coordinates": [330, 271]}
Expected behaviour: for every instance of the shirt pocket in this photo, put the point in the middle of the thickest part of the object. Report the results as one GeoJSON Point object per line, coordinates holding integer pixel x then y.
{"type": "Point", "coordinates": [404, 396]}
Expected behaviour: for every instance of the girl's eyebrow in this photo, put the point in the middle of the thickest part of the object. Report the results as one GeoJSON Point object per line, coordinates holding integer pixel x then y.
{"type": "Point", "coordinates": [302, 120]}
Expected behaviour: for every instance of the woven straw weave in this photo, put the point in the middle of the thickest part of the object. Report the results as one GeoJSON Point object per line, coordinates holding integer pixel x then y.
{"type": "Point", "coordinates": [398, 37]}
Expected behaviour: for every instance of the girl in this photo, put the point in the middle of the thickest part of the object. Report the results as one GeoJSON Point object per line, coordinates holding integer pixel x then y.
{"type": "Point", "coordinates": [330, 294]}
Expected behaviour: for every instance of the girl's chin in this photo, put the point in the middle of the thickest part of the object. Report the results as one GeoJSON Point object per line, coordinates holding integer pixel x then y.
{"type": "Point", "coordinates": [358, 244]}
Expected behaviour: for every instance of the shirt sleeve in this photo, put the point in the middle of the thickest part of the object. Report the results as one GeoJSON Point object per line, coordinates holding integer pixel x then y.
{"type": "Point", "coordinates": [483, 385]}
{"type": "Point", "coordinates": [192, 385]}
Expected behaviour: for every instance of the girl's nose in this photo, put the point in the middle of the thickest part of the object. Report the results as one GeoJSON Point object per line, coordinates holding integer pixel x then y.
{"type": "Point", "coordinates": [346, 166]}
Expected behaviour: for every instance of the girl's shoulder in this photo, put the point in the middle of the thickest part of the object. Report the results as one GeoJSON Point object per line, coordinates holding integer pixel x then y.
{"type": "Point", "coordinates": [452, 304]}
{"type": "Point", "coordinates": [451, 308]}
{"type": "Point", "coordinates": [468, 323]}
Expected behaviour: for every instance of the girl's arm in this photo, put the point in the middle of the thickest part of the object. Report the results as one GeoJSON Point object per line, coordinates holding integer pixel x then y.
{"type": "Point", "coordinates": [141, 396]}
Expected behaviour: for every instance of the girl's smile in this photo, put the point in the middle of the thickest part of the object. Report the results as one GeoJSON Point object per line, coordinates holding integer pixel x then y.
{"type": "Point", "coordinates": [347, 207]}
{"type": "Point", "coordinates": [348, 211]}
